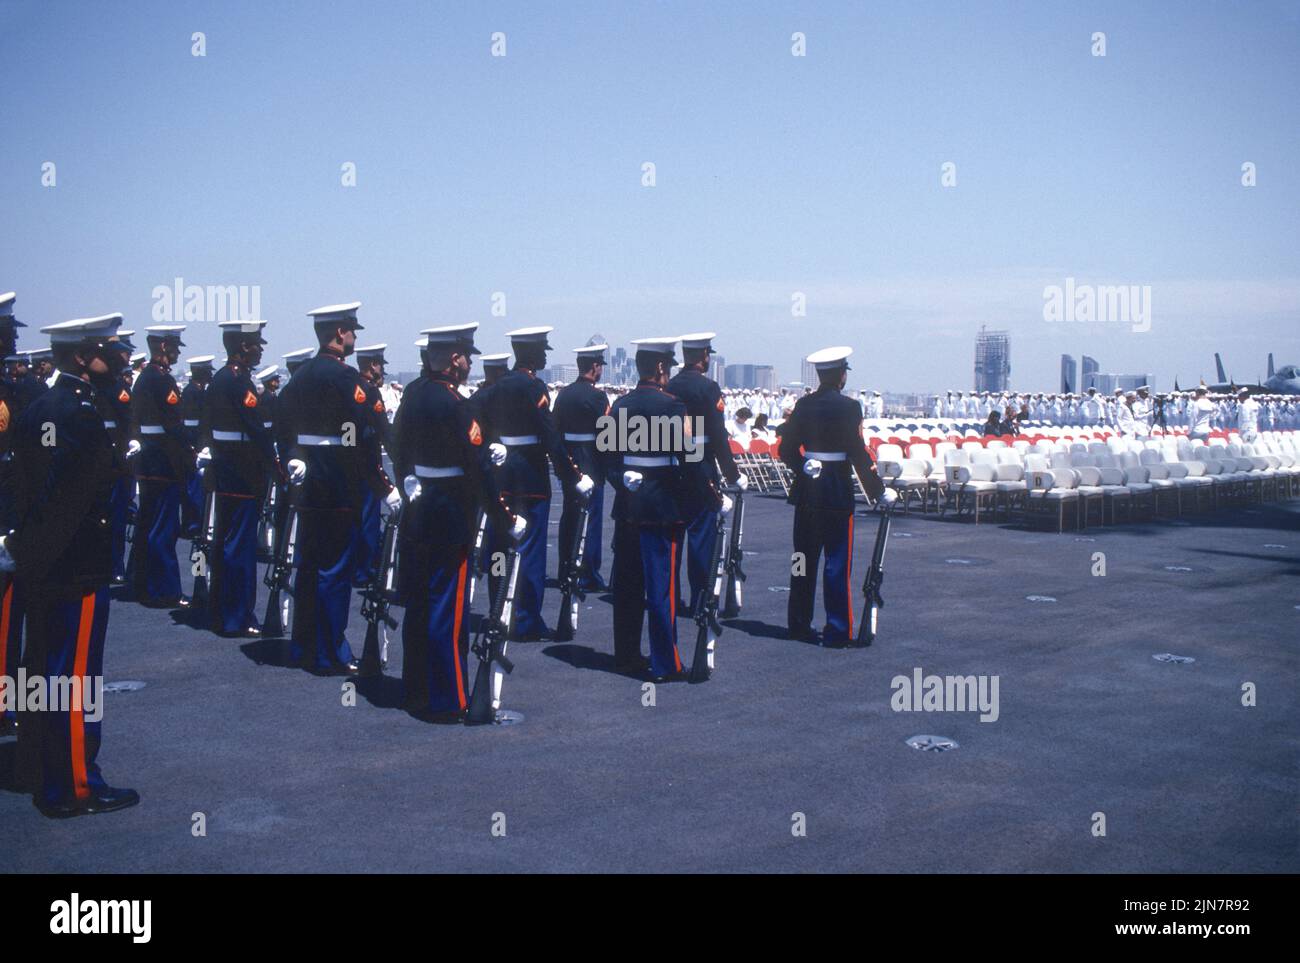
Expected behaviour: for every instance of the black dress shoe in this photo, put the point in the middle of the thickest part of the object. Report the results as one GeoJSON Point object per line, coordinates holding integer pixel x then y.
{"type": "Point", "coordinates": [450, 717]}
{"type": "Point", "coordinates": [104, 800]}
{"type": "Point", "coordinates": [635, 667]}
{"type": "Point", "coordinates": [670, 677]}
{"type": "Point", "coordinates": [803, 635]}
{"type": "Point", "coordinates": [594, 584]}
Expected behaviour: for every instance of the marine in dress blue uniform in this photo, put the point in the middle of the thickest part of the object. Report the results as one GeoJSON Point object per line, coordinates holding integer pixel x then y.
{"type": "Point", "coordinates": [495, 367]}
{"type": "Point", "coordinates": [243, 459]}
{"type": "Point", "coordinates": [649, 518]}
{"type": "Point", "coordinates": [115, 404]}
{"type": "Point", "coordinates": [11, 621]}
{"type": "Point", "coordinates": [162, 468]}
{"type": "Point", "coordinates": [59, 550]}
{"type": "Point", "coordinates": [321, 418]}
{"type": "Point", "coordinates": [517, 411]}
{"type": "Point", "coordinates": [578, 408]}
{"type": "Point", "coordinates": [370, 363]}
{"type": "Point", "coordinates": [704, 404]}
{"type": "Point", "coordinates": [441, 456]}
{"type": "Point", "coordinates": [822, 443]}
{"type": "Point", "coordinates": [192, 397]}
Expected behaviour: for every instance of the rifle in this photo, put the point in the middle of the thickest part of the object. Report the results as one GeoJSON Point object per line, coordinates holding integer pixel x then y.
{"type": "Point", "coordinates": [706, 610]}
{"type": "Point", "coordinates": [201, 550]}
{"type": "Point", "coordinates": [872, 603]}
{"type": "Point", "coordinates": [266, 522]}
{"type": "Point", "coordinates": [735, 556]}
{"type": "Point", "coordinates": [277, 575]}
{"type": "Point", "coordinates": [571, 592]}
{"type": "Point", "coordinates": [476, 560]}
{"type": "Point", "coordinates": [376, 598]}
{"type": "Point", "coordinates": [490, 647]}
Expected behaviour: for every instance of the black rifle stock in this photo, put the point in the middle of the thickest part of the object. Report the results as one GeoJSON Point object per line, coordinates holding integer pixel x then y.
{"type": "Point", "coordinates": [490, 647]}
{"type": "Point", "coordinates": [733, 596]}
{"type": "Point", "coordinates": [266, 522]}
{"type": "Point", "coordinates": [201, 553]}
{"type": "Point", "coordinates": [377, 597]}
{"type": "Point", "coordinates": [278, 572]}
{"type": "Point", "coordinates": [706, 609]}
{"type": "Point", "coordinates": [872, 601]}
{"type": "Point", "coordinates": [571, 581]}
{"type": "Point", "coordinates": [476, 560]}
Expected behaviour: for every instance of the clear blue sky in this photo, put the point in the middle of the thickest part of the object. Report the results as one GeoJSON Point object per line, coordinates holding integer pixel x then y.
{"type": "Point", "coordinates": [775, 173]}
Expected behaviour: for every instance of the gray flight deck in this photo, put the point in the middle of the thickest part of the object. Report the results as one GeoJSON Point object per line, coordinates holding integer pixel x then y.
{"type": "Point", "coordinates": [711, 777]}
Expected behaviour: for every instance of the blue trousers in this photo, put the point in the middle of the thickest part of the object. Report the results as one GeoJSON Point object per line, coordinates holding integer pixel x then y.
{"type": "Point", "coordinates": [816, 532]}
{"type": "Point", "coordinates": [532, 566]}
{"type": "Point", "coordinates": [435, 638]}
{"type": "Point", "coordinates": [569, 521]}
{"type": "Point", "coordinates": [701, 530]}
{"type": "Point", "coordinates": [11, 629]}
{"type": "Point", "coordinates": [157, 523]}
{"type": "Point", "coordinates": [645, 580]}
{"type": "Point", "coordinates": [192, 504]}
{"type": "Point", "coordinates": [118, 503]}
{"type": "Point", "coordinates": [369, 533]}
{"type": "Point", "coordinates": [233, 593]}
{"type": "Point", "coordinates": [322, 588]}
{"type": "Point", "coordinates": [66, 638]}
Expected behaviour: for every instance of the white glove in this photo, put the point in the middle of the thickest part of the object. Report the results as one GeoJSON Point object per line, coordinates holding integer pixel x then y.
{"type": "Point", "coordinates": [727, 504]}
{"type": "Point", "coordinates": [742, 482]}
{"type": "Point", "coordinates": [132, 448]}
{"type": "Point", "coordinates": [497, 452]}
{"type": "Point", "coordinates": [519, 527]}
{"type": "Point", "coordinates": [297, 471]}
{"type": "Point", "coordinates": [7, 563]}
{"type": "Point", "coordinates": [393, 500]}
{"type": "Point", "coordinates": [412, 486]}
{"type": "Point", "coordinates": [632, 480]}
{"type": "Point", "coordinates": [584, 484]}
{"type": "Point", "coordinates": [203, 457]}
{"type": "Point", "coordinates": [812, 468]}
{"type": "Point", "coordinates": [888, 497]}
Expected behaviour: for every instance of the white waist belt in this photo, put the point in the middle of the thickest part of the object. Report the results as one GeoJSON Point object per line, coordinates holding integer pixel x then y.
{"type": "Point", "coordinates": [516, 440]}
{"type": "Point", "coordinates": [110, 424]}
{"type": "Point", "coordinates": [570, 436]}
{"type": "Point", "coordinates": [266, 424]}
{"type": "Point", "coordinates": [702, 440]}
{"type": "Point", "coordinates": [638, 461]}
{"type": "Point", "coordinates": [320, 439]}
{"type": "Point", "coordinates": [428, 471]}
{"type": "Point", "coordinates": [152, 430]}
{"type": "Point", "coordinates": [191, 423]}
{"type": "Point", "coordinates": [228, 435]}
{"type": "Point", "coordinates": [826, 455]}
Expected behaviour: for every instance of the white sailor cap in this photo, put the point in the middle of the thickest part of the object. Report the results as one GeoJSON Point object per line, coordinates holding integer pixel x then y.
{"type": "Point", "coordinates": [830, 359]}
{"type": "Point", "coordinates": [40, 354]}
{"type": "Point", "coordinates": [535, 335]}
{"type": "Point", "coordinates": [295, 358]}
{"type": "Point", "coordinates": [7, 318]}
{"type": "Point", "coordinates": [1144, 388]}
{"type": "Point", "coordinates": [200, 361]}
{"type": "Point", "coordinates": [267, 373]}
{"type": "Point", "coordinates": [495, 360]}
{"type": "Point", "coordinates": [243, 327]}
{"type": "Point", "coordinates": [657, 346]}
{"type": "Point", "coordinates": [596, 352]}
{"type": "Point", "coordinates": [699, 339]}
{"type": "Point", "coordinates": [165, 332]}
{"type": "Point", "coordinates": [371, 351]}
{"type": "Point", "coordinates": [139, 356]}
{"type": "Point", "coordinates": [84, 330]}
{"type": "Point", "coordinates": [335, 313]}
{"type": "Point", "coordinates": [875, 392]}
{"type": "Point", "coordinates": [453, 334]}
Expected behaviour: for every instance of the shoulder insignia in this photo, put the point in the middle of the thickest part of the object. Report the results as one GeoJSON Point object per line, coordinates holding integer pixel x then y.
{"type": "Point", "coordinates": [359, 395]}
{"type": "Point", "coordinates": [544, 401]}
{"type": "Point", "coordinates": [4, 416]}
{"type": "Point", "coordinates": [172, 399]}
{"type": "Point", "coordinates": [721, 406]}
{"type": "Point", "coordinates": [123, 396]}
{"type": "Point", "coordinates": [475, 433]}
{"type": "Point", "coordinates": [250, 400]}
{"type": "Point", "coordinates": [379, 406]}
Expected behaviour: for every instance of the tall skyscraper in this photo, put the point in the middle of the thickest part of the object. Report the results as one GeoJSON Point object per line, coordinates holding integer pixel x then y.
{"type": "Point", "coordinates": [1069, 373]}
{"type": "Point", "coordinates": [1089, 373]}
{"type": "Point", "coordinates": [992, 360]}
{"type": "Point", "coordinates": [717, 368]}
{"type": "Point", "coordinates": [809, 375]}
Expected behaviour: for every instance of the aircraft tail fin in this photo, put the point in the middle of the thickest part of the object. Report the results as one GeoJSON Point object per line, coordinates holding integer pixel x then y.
{"type": "Point", "coordinates": [1270, 364]}
{"type": "Point", "coordinates": [1218, 363]}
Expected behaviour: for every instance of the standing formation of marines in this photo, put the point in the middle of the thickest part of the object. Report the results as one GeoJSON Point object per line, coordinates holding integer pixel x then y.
{"type": "Point", "coordinates": [254, 470]}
